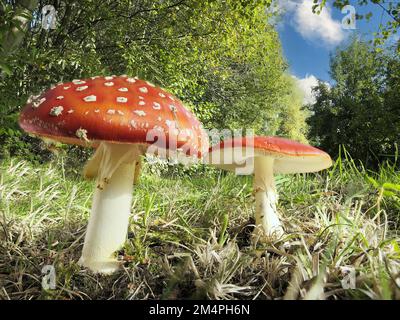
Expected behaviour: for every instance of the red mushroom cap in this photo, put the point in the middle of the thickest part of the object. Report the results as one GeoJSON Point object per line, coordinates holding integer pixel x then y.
{"type": "Point", "coordinates": [290, 156]}
{"type": "Point", "coordinates": [117, 109]}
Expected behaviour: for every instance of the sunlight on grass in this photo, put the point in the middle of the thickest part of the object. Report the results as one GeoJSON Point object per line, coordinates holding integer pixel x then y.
{"type": "Point", "coordinates": [189, 236]}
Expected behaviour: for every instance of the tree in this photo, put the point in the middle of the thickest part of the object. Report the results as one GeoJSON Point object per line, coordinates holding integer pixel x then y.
{"type": "Point", "coordinates": [222, 58]}
{"type": "Point", "coordinates": [360, 111]}
{"type": "Point", "coordinates": [293, 116]}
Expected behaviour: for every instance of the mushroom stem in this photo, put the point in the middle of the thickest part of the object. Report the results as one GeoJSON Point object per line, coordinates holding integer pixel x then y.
{"type": "Point", "coordinates": [109, 217]}
{"type": "Point", "coordinates": [266, 215]}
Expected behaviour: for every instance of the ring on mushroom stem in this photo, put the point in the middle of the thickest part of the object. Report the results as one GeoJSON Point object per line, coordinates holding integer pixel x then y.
{"type": "Point", "coordinates": [121, 117]}
{"type": "Point", "coordinates": [264, 157]}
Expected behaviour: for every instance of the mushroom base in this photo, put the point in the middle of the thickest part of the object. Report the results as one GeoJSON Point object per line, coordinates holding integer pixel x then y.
{"type": "Point", "coordinates": [109, 218]}
{"type": "Point", "coordinates": [266, 215]}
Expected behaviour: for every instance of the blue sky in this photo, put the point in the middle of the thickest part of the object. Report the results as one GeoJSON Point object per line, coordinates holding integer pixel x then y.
{"type": "Point", "coordinates": [309, 39]}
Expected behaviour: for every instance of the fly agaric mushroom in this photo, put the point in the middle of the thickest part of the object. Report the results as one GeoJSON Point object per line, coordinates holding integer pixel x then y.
{"type": "Point", "coordinates": [266, 156]}
{"type": "Point", "coordinates": [122, 117]}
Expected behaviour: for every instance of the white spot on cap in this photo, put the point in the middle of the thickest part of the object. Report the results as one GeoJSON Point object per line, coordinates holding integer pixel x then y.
{"type": "Point", "coordinates": [97, 111]}
{"type": "Point", "coordinates": [91, 98]}
{"type": "Point", "coordinates": [70, 111]}
{"type": "Point", "coordinates": [162, 95]}
{"type": "Point", "coordinates": [143, 89]}
{"type": "Point", "coordinates": [141, 98]}
{"type": "Point", "coordinates": [133, 123]}
{"type": "Point", "coordinates": [108, 78]}
{"type": "Point", "coordinates": [131, 80]}
{"type": "Point", "coordinates": [108, 84]}
{"type": "Point", "coordinates": [142, 103]}
{"type": "Point", "coordinates": [56, 111]}
{"type": "Point", "coordinates": [172, 98]}
{"type": "Point", "coordinates": [123, 89]}
{"type": "Point", "coordinates": [81, 88]}
{"type": "Point", "coordinates": [159, 118]}
{"type": "Point", "coordinates": [60, 97]}
{"type": "Point", "coordinates": [122, 99]}
{"type": "Point", "coordinates": [76, 81]}
{"type": "Point", "coordinates": [81, 134]}
{"type": "Point", "coordinates": [140, 113]}
{"type": "Point", "coordinates": [124, 76]}
{"type": "Point", "coordinates": [156, 105]}
{"type": "Point", "coordinates": [120, 112]}
{"type": "Point", "coordinates": [86, 113]}
{"type": "Point", "coordinates": [110, 111]}
{"type": "Point", "coordinates": [67, 87]}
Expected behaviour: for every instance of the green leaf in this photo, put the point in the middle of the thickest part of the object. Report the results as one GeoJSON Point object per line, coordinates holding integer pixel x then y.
{"type": "Point", "coordinates": [373, 182]}
{"type": "Point", "coordinates": [6, 68]}
{"type": "Point", "coordinates": [391, 186]}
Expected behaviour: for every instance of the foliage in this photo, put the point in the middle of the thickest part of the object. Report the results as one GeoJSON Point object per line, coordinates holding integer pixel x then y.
{"type": "Point", "coordinates": [293, 114]}
{"type": "Point", "coordinates": [360, 111]}
{"type": "Point", "coordinates": [15, 17]}
{"type": "Point", "coordinates": [222, 58]}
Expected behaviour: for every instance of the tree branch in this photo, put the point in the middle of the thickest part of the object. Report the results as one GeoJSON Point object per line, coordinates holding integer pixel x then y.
{"type": "Point", "coordinates": [388, 12]}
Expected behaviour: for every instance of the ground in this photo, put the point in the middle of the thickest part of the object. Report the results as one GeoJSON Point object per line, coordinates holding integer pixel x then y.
{"type": "Point", "coordinates": [189, 235]}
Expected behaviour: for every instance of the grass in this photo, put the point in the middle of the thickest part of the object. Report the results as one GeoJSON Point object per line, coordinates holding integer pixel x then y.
{"type": "Point", "coordinates": [189, 236]}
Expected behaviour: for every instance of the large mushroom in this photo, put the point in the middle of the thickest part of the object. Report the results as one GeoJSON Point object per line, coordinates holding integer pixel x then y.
{"type": "Point", "coordinates": [266, 156]}
{"type": "Point", "coordinates": [123, 118]}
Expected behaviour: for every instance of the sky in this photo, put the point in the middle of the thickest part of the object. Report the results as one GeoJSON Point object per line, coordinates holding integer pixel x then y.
{"type": "Point", "coordinates": [308, 39]}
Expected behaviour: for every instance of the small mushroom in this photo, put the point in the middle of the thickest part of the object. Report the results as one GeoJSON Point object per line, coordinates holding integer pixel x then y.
{"type": "Point", "coordinates": [264, 157]}
{"type": "Point", "coordinates": [121, 133]}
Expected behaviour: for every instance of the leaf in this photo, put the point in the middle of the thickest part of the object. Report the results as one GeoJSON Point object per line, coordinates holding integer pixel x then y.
{"type": "Point", "coordinates": [373, 182]}
{"type": "Point", "coordinates": [391, 186]}
{"type": "Point", "coordinates": [388, 193]}
{"type": "Point", "coordinates": [6, 69]}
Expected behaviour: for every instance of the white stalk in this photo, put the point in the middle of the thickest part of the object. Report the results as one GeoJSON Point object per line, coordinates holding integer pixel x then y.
{"type": "Point", "coordinates": [109, 217]}
{"type": "Point", "coordinates": [266, 215]}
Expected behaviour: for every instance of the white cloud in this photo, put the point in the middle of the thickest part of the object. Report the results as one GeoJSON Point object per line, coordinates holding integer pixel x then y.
{"type": "Point", "coordinates": [316, 27]}
{"type": "Point", "coordinates": [305, 85]}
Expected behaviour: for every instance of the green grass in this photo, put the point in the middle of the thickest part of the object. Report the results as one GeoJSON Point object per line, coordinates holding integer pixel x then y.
{"type": "Point", "coordinates": [189, 236]}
